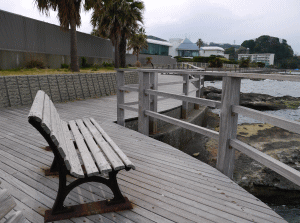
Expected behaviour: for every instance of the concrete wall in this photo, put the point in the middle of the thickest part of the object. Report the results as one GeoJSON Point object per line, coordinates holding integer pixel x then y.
{"type": "Point", "coordinates": [21, 90]}
{"type": "Point", "coordinates": [22, 39]}
{"type": "Point", "coordinates": [156, 59]}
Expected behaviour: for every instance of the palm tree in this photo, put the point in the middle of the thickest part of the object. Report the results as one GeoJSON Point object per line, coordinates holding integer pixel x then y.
{"type": "Point", "coordinates": [134, 16]}
{"type": "Point", "coordinates": [199, 43]}
{"type": "Point", "coordinates": [69, 16]}
{"type": "Point", "coordinates": [116, 20]}
{"type": "Point", "coordinates": [138, 42]}
{"type": "Point", "coordinates": [107, 19]}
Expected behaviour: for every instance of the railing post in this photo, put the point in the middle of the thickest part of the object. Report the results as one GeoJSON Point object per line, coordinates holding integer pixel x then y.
{"type": "Point", "coordinates": [199, 84]}
{"type": "Point", "coordinates": [153, 102]}
{"type": "Point", "coordinates": [144, 103]}
{"type": "Point", "coordinates": [120, 98]}
{"type": "Point", "coordinates": [228, 124]}
{"type": "Point", "coordinates": [185, 104]}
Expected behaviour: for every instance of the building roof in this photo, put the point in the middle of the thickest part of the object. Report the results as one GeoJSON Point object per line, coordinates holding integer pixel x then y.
{"type": "Point", "coordinates": [187, 45]}
{"type": "Point", "coordinates": [155, 38]}
{"type": "Point", "coordinates": [158, 42]}
{"type": "Point", "coordinates": [212, 48]}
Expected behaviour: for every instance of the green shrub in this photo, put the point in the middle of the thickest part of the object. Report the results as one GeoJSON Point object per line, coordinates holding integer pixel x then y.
{"type": "Point", "coordinates": [216, 62]}
{"type": "Point", "coordinates": [84, 63]}
{"type": "Point", "coordinates": [244, 63]}
{"type": "Point", "coordinates": [35, 63]}
{"type": "Point", "coordinates": [106, 64]}
{"type": "Point", "coordinates": [180, 59]}
{"type": "Point", "coordinates": [96, 67]}
{"type": "Point", "coordinates": [138, 64]}
{"type": "Point", "coordinates": [201, 59]}
{"type": "Point", "coordinates": [64, 66]}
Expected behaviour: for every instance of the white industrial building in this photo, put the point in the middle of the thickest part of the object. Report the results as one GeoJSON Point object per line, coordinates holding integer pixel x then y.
{"type": "Point", "coordinates": [266, 58]}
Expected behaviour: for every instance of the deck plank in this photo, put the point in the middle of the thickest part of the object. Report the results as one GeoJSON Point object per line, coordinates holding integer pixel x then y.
{"type": "Point", "coordinates": [167, 185]}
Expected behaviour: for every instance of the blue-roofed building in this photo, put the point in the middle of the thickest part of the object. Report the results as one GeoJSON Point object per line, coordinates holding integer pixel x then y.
{"type": "Point", "coordinates": [183, 48]}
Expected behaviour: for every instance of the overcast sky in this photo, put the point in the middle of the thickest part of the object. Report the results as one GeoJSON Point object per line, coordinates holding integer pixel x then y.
{"type": "Point", "coordinates": [220, 21]}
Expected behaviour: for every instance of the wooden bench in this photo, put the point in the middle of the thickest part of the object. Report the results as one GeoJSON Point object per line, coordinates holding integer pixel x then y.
{"type": "Point", "coordinates": [7, 203]}
{"type": "Point", "coordinates": [83, 150]}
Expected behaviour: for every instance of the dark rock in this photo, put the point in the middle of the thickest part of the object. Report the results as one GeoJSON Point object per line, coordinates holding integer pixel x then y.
{"type": "Point", "coordinates": [256, 101]}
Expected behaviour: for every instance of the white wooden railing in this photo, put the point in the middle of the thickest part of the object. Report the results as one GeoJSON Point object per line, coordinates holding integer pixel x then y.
{"type": "Point", "coordinates": [229, 105]}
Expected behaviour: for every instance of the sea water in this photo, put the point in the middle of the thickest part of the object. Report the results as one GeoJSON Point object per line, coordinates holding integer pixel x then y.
{"type": "Point", "coordinates": [270, 87]}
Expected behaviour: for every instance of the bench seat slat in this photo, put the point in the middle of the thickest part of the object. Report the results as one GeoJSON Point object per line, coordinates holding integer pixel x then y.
{"type": "Point", "coordinates": [113, 158]}
{"type": "Point", "coordinates": [87, 159]}
{"type": "Point", "coordinates": [102, 163]}
{"type": "Point", "coordinates": [16, 218]}
{"type": "Point", "coordinates": [73, 160]}
{"type": "Point", "coordinates": [46, 122]}
{"type": "Point", "coordinates": [36, 110]}
{"type": "Point", "coordinates": [122, 155]}
{"type": "Point", "coordinates": [7, 203]}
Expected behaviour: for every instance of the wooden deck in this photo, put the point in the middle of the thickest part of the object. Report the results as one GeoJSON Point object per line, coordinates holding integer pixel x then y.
{"type": "Point", "coordinates": [168, 185]}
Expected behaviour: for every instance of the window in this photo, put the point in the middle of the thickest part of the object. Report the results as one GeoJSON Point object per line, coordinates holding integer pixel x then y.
{"type": "Point", "coordinates": [155, 49]}
{"type": "Point", "coordinates": [188, 53]}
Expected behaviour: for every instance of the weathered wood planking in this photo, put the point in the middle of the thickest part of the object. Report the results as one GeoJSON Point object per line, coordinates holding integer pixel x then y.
{"type": "Point", "coordinates": [167, 186]}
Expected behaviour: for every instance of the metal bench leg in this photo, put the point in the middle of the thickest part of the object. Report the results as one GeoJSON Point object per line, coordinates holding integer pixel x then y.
{"type": "Point", "coordinates": [62, 193]}
{"type": "Point", "coordinates": [60, 212]}
{"type": "Point", "coordinates": [53, 169]}
{"type": "Point", "coordinates": [118, 196]}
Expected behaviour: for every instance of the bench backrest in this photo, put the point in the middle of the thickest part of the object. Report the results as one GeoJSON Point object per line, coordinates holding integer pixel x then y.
{"type": "Point", "coordinates": [44, 112]}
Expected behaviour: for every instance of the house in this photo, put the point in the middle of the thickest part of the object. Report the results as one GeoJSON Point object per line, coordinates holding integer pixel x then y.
{"type": "Point", "coordinates": [207, 51]}
{"type": "Point", "coordinates": [183, 48]}
{"type": "Point", "coordinates": [266, 58]}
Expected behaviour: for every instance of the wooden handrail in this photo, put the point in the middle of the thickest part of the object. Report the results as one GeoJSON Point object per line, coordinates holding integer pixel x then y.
{"type": "Point", "coordinates": [183, 124]}
{"type": "Point", "coordinates": [279, 167]}
{"type": "Point", "coordinates": [228, 119]}
{"type": "Point", "coordinates": [202, 101]}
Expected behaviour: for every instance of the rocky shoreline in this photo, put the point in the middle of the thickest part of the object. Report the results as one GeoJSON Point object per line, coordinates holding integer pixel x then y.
{"type": "Point", "coordinates": [256, 101]}
{"type": "Point", "coordinates": [277, 143]}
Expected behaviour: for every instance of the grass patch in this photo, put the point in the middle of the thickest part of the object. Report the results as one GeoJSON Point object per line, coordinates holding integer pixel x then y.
{"type": "Point", "coordinates": [35, 71]}
{"type": "Point", "coordinates": [292, 104]}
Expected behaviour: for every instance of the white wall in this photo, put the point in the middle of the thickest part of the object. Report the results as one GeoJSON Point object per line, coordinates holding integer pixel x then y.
{"type": "Point", "coordinates": [175, 44]}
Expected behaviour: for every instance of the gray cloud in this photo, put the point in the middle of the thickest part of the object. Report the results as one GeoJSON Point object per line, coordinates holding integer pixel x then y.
{"type": "Point", "coordinates": [211, 20]}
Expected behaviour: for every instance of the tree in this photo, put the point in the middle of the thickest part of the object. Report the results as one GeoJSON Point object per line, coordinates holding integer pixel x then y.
{"type": "Point", "coordinates": [231, 52]}
{"type": "Point", "coordinates": [69, 16]}
{"type": "Point", "coordinates": [134, 16]}
{"type": "Point", "coordinates": [199, 43]}
{"type": "Point", "coordinates": [117, 20]}
{"type": "Point", "coordinates": [106, 20]}
{"type": "Point", "coordinates": [137, 42]}
{"type": "Point", "coordinates": [269, 44]}
{"type": "Point", "coordinates": [249, 44]}
{"type": "Point", "coordinates": [241, 50]}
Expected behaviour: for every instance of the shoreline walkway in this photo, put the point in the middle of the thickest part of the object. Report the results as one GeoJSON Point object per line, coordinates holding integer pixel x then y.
{"type": "Point", "coordinates": [167, 185]}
